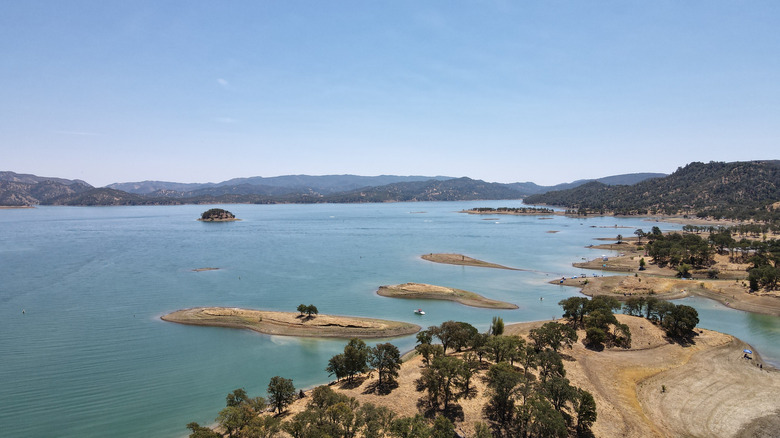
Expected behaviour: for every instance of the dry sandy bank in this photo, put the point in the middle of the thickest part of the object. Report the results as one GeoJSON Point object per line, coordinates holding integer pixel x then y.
{"type": "Point", "coordinates": [292, 324]}
{"type": "Point", "coordinates": [460, 259]}
{"type": "Point", "coordinates": [432, 292]}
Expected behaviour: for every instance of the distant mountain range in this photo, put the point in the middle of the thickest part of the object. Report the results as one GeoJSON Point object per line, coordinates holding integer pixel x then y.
{"type": "Point", "coordinates": [19, 189]}
{"type": "Point", "coordinates": [738, 190]}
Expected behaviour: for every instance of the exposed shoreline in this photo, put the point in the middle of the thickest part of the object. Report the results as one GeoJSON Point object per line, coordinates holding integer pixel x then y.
{"type": "Point", "coordinates": [432, 292]}
{"type": "Point", "coordinates": [710, 389]}
{"type": "Point", "coordinates": [726, 292]}
{"type": "Point", "coordinates": [292, 324]}
{"type": "Point", "coordinates": [462, 260]}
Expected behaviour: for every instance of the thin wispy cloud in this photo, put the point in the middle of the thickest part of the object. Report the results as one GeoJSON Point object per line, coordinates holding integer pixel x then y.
{"type": "Point", "coordinates": [80, 133]}
{"type": "Point", "coordinates": [224, 84]}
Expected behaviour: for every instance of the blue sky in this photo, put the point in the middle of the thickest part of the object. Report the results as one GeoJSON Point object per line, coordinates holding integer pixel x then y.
{"type": "Point", "coordinates": [546, 91]}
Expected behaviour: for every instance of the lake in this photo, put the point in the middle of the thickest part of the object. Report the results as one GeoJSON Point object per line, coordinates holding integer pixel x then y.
{"type": "Point", "coordinates": [90, 357]}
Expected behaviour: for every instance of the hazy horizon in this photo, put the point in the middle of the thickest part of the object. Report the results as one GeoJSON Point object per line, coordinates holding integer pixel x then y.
{"type": "Point", "coordinates": [545, 92]}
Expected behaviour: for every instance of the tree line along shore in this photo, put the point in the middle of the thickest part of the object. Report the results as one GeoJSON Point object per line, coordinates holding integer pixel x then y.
{"type": "Point", "coordinates": [529, 379]}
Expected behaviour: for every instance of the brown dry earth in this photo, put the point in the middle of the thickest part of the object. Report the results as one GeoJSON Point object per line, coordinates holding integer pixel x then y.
{"type": "Point", "coordinates": [432, 292]}
{"type": "Point", "coordinates": [292, 324]}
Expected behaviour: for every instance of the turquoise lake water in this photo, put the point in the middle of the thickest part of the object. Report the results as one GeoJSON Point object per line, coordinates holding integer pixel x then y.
{"type": "Point", "coordinates": [90, 356]}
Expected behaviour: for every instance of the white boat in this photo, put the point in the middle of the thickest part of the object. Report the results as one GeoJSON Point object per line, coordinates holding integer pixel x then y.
{"type": "Point", "coordinates": [419, 312]}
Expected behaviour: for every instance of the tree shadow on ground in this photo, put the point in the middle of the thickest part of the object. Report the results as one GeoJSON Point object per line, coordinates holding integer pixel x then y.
{"type": "Point", "coordinates": [352, 384]}
{"type": "Point", "coordinates": [454, 411]}
{"type": "Point", "coordinates": [567, 357]}
{"type": "Point", "coordinates": [595, 347]}
{"type": "Point", "coordinates": [383, 389]}
{"type": "Point", "coordinates": [688, 340]}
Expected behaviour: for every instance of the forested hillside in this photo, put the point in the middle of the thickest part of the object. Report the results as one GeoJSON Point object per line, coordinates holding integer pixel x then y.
{"type": "Point", "coordinates": [738, 190]}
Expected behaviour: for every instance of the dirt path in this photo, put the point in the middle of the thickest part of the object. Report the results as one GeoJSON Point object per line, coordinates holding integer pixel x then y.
{"type": "Point", "coordinates": [716, 394]}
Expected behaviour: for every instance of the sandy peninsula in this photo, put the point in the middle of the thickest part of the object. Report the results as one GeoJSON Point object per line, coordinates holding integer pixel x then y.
{"type": "Point", "coordinates": [432, 292]}
{"type": "Point", "coordinates": [460, 259]}
{"type": "Point", "coordinates": [292, 324]}
{"type": "Point", "coordinates": [710, 389]}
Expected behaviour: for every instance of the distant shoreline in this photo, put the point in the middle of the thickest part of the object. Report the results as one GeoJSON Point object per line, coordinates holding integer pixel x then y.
{"type": "Point", "coordinates": [431, 292]}
{"type": "Point", "coordinates": [292, 324]}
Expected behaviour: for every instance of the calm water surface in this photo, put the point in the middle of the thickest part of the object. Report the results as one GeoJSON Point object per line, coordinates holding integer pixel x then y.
{"type": "Point", "coordinates": [90, 356]}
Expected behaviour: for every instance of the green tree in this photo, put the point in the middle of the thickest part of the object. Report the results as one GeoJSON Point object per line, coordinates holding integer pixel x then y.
{"type": "Point", "coordinates": [502, 380]}
{"type": "Point", "coordinates": [442, 380]}
{"type": "Point", "coordinates": [639, 235]}
{"type": "Point", "coordinates": [199, 431]}
{"type": "Point", "coordinates": [443, 428]}
{"type": "Point", "coordinates": [233, 418]}
{"type": "Point", "coordinates": [429, 351]}
{"type": "Point", "coordinates": [545, 420]}
{"type": "Point", "coordinates": [302, 308]}
{"type": "Point", "coordinates": [236, 398]}
{"type": "Point", "coordinates": [619, 238]}
{"type": "Point", "coordinates": [311, 309]}
{"type": "Point", "coordinates": [680, 321]}
{"type": "Point", "coordinates": [281, 392]}
{"type": "Point", "coordinates": [386, 359]}
{"type": "Point", "coordinates": [411, 427]}
{"type": "Point", "coordinates": [502, 348]}
{"type": "Point", "coordinates": [337, 366]}
{"type": "Point", "coordinates": [553, 335]}
{"type": "Point", "coordinates": [377, 420]}
{"type": "Point", "coordinates": [355, 357]}
{"type": "Point", "coordinates": [497, 326]}
{"type": "Point", "coordinates": [584, 411]}
{"type": "Point", "coordinates": [262, 426]}
{"type": "Point", "coordinates": [575, 309]}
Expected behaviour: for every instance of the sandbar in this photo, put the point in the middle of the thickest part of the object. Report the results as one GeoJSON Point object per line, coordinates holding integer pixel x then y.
{"type": "Point", "coordinates": [205, 269]}
{"type": "Point", "coordinates": [432, 292]}
{"type": "Point", "coordinates": [460, 259]}
{"type": "Point", "coordinates": [291, 323]}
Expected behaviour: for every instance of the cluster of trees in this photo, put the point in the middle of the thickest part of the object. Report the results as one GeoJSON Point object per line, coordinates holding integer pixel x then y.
{"type": "Point", "coordinates": [597, 317]}
{"type": "Point", "coordinates": [216, 214]}
{"type": "Point", "coordinates": [677, 249]}
{"type": "Point", "coordinates": [522, 210]}
{"type": "Point", "coordinates": [677, 320]}
{"type": "Point", "coordinates": [309, 310]}
{"type": "Point", "coordinates": [330, 414]}
{"type": "Point", "coordinates": [359, 358]}
{"type": "Point", "coordinates": [763, 256]}
{"type": "Point", "coordinates": [738, 190]}
{"type": "Point", "coordinates": [242, 417]}
{"type": "Point", "coordinates": [528, 393]}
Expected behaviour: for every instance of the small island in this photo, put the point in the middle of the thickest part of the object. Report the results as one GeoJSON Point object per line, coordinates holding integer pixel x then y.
{"type": "Point", "coordinates": [460, 259]}
{"type": "Point", "coordinates": [217, 215]}
{"type": "Point", "coordinates": [432, 292]}
{"type": "Point", "coordinates": [292, 324]}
